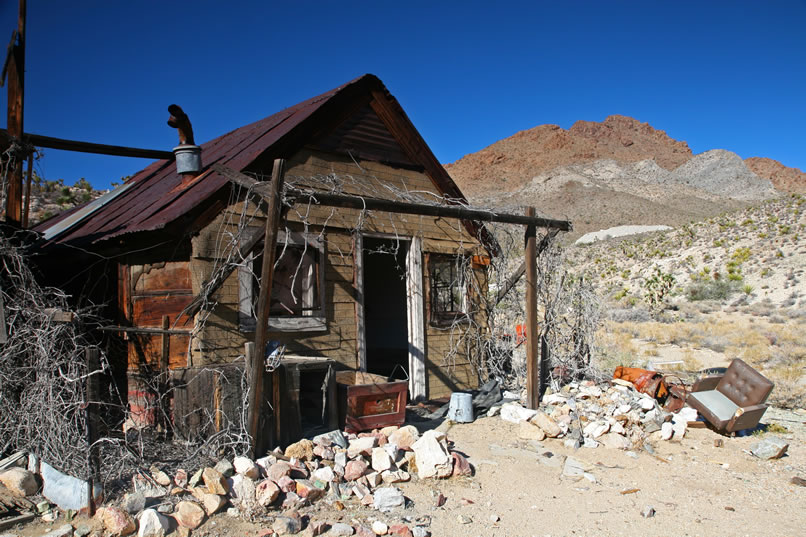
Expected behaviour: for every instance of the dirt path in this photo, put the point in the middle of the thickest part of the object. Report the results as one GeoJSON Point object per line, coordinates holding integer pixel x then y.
{"type": "Point", "coordinates": [703, 490]}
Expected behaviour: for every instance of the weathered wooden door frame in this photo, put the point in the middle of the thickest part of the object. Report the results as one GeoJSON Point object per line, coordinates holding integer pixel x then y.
{"type": "Point", "coordinates": [414, 309]}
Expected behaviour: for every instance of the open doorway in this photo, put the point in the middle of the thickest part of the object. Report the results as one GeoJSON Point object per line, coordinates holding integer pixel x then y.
{"type": "Point", "coordinates": [385, 305]}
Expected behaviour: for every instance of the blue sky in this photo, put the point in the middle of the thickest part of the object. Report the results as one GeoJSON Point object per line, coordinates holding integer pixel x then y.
{"type": "Point", "coordinates": [729, 75]}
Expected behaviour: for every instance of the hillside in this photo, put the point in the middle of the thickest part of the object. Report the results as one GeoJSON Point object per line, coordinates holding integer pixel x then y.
{"type": "Point", "coordinates": [617, 172]}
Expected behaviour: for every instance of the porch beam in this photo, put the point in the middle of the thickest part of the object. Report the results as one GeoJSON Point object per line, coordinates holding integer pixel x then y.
{"type": "Point", "coordinates": [374, 204]}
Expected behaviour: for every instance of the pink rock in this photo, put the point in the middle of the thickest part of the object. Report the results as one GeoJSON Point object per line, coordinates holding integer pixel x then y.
{"type": "Point", "coordinates": [267, 492]}
{"type": "Point", "coordinates": [355, 469]}
{"type": "Point", "coordinates": [181, 478]}
{"type": "Point", "coordinates": [116, 522]}
{"type": "Point", "coordinates": [400, 529]}
{"type": "Point", "coordinates": [278, 470]}
{"type": "Point", "coordinates": [461, 466]}
{"type": "Point", "coordinates": [287, 484]}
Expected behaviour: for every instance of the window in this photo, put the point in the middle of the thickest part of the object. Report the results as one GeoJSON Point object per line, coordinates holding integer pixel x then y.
{"type": "Point", "coordinates": [448, 294]}
{"type": "Point", "coordinates": [297, 297]}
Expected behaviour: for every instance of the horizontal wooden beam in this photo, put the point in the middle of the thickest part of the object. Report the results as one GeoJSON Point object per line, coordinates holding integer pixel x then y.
{"type": "Point", "coordinates": [375, 204]}
{"type": "Point", "coordinates": [89, 147]}
{"type": "Point", "coordinates": [143, 330]}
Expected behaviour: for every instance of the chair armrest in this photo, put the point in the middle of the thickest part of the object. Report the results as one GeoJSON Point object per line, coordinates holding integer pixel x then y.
{"type": "Point", "coordinates": [750, 417]}
{"type": "Point", "coordinates": [706, 383]}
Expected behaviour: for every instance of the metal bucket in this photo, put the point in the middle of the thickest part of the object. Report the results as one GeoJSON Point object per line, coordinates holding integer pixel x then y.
{"type": "Point", "coordinates": [188, 158]}
{"type": "Point", "coordinates": [460, 408]}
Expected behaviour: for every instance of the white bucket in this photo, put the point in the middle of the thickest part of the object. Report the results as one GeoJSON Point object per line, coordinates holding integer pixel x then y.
{"type": "Point", "coordinates": [460, 409]}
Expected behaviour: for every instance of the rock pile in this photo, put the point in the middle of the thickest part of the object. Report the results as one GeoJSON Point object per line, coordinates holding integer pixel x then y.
{"type": "Point", "coordinates": [333, 467]}
{"type": "Point", "coordinates": [586, 415]}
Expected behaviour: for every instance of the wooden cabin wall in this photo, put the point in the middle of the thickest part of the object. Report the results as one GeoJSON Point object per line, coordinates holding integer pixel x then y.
{"type": "Point", "coordinates": [221, 339]}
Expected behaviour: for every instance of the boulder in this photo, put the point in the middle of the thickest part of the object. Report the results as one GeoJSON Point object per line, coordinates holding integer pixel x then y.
{"type": "Point", "coordinates": [308, 491]}
{"type": "Point", "coordinates": [529, 431]}
{"type": "Point", "coordinates": [381, 461]}
{"type": "Point", "coordinates": [246, 467]}
{"type": "Point", "coordinates": [19, 481]}
{"type": "Point", "coordinates": [355, 469]}
{"type": "Point", "coordinates": [215, 481]}
{"type": "Point", "coordinates": [267, 491]}
{"type": "Point", "coordinates": [189, 514]}
{"type": "Point", "coordinates": [302, 450]}
{"type": "Point", "coordinates": [243, 492]}
{"type": "Point", "coordinates": [615, 441]}
{"type": "Point", "coordinates": [153, 524]}
{"type": "Point", "coordinates": [117, 522]}
{"type": "Point", "coordinates": [771, 447]}
{"type": "Point", "coordinates": [340, 529]}
{"type": "Point", "coordinates": [361, 446]}
{"type": "Point", "coordinates": [289, 524]}
{"type": "Point", "coordinates": [335, 437]}
{"type": "Point", "coordinates": [385, 499]}
{"type": "Point", "coordinates": [461, 466]}
{"type": "Point", "coordinates": [225, 467]}
{"type": "Point", "coordinates": [431, 456]}
{"type": "Point", "coordinates": [278, 470]}
{"type": "Point", "coordinates": [212, 503]}
{"type": "Point", "coordinates": [547, 424]}
{"type": "Point", "coordinates": [515, 413]}
{"type": "Point", "coordinates": [404, 437]}
{"type": "Point", "coordinates": [161, 477]}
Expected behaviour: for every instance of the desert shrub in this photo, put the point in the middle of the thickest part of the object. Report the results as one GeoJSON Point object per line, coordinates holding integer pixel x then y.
{"type": "Point", "coordinates": [711, 290]}
{"type": "Point", "coordinates": [633, 315]}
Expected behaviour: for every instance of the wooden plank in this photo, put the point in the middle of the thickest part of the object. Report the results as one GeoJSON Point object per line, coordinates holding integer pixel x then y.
{"type": "Point", "coordinates": [166, 343]}
{"type": "Point", "coordinates": [143, 330]}
{"type": "Point", "coordinates": [532, 365]}
{"type": "Point", "coordinates": [92, 400]}
{"type": "Point", "coordinates": [263, 306]}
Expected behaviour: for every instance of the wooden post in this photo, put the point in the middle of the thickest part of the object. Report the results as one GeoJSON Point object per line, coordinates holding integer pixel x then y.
{"type": "Point", "coordinates": [532, 342]}
{"type": "Point", "coordinates": [263, 305]}
{"type": "Point", "coordinates": [27, 207]}
{"type": "Point", "coordinates": [15, 71]}
{"type": "Point", "coordinates": [93, 393]}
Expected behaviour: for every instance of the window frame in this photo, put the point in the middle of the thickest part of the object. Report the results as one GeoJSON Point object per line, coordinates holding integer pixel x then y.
{"type": "Point", "coordinates": [312, 320]}
{"type": "Point", "coordinates": [443, 319]}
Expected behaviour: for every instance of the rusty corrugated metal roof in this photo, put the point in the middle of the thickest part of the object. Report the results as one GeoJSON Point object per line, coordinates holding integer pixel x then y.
{"type": "Point", "coordinates": [158, 195]}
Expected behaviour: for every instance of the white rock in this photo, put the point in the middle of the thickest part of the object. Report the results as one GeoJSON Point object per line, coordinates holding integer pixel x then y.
{"type": "Point", "coordinates": [246, 467]}
{"type": "Point", "coordinates": [341, 459]}
{"type": "Point", "coordinates": [679, 427]}
{"type": "Point", "coordinates": [431, 456]}
{"type": "Point", "coordinates": [381, 461]}
{"type": "Point", "coordinates": [387, 498]}
{"type": "Point", "coordinates": [325, 474]}
{"type": "Point", "coordinates": [243, 492]}
{"type": "Point", "coordinates": [545, 422]}
{"type": "Point", "coordinates": [666, 431]}
{"type": "Point", "coordinates": [615, 441]}
{"type": "Point", "coordinates": [361, 446]}
{"type": "Point", "coordinates": [647, 403]}
{"type": "Point", "coordinates": [153, 524]}
{"type": "Point", "coordinates": [493, 411]}
{"type": "Point", "coordinates": [687, 414]}
{"type": "Point", "coordinates": [515, 413]}
{"type": "Point", "coordinates": [555, 399]}
{"type": "Point", "coordinates": [379, 528]}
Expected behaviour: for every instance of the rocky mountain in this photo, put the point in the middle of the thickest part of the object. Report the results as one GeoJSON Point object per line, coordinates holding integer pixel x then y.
{"type": "Point", "coordinates": [617, 172]}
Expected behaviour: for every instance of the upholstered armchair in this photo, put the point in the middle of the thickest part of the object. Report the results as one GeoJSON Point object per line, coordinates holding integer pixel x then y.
{"type": "Point", "coordinates": [733, 401]}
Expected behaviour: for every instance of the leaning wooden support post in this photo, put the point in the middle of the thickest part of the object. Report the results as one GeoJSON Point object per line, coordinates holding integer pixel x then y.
{"type": "Point", "coordinates": [14, 72]}
{"type": "Point", "coordinates": [532, 342]}
{"type": "Point", "coordinates": [264, 302]}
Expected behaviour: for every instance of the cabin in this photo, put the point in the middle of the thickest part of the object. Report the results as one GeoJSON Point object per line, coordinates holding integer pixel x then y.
{"type": "Point", "coordinates": [399, 295]}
